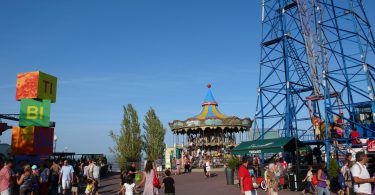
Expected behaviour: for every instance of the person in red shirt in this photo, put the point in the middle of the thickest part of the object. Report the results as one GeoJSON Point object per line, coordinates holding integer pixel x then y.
{"type": "Point", "coordinates": [6, 178]}
{"type": "Point", "coordinates": [354, 136]}
{"type": "Point", "coordinates": [246, 183]}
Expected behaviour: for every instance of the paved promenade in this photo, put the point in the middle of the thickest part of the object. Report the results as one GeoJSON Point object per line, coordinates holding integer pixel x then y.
{"type": "Point", "coordinates": [188, 184]}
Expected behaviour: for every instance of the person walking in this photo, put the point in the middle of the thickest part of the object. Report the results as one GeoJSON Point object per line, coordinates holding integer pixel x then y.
{"type": "Point", "coordinates": [6, 180]}
{"type": "Point", "coordinates": [132, 171]}
{"type": "Point", "coordinates": [174, 166]}
{"type": "Point", "coordinates": [273, 180]}
{"type": "Point", "coordinates": [168, 184]}
{"type": "Point", "coordinates": [159, 166]}
{"type": "Point", "coordinates": [344, 188]}
{"type": "Point", "coordinates": [309, 186]}
{"type": "Point", "coordinates": [96, 173]}
{"type": "Point", "coordinates": [44, 178]}
{"type": "Point", "coordinates": [54, 177]}
{"type": "Point", "coordinates": [246, 183]}
{"type": "Point", "coordinates": [323, 182]}
{"type": "Point", "coordinates": [361, 177]}
{"type": "Point", "coordinates": [178, 165]}
{"type": "Point", "coordinates": [66, 176]}
{"type": "Point", "coordinates": [25, 181]}
{"type": "Point", "coordinates": [147, 180]}
{"type": "Point", "coordinates": [207, 164]}
{"type": "Point", "coordinates": [129, 187]}
{"type": "Point", "coordinates": [35, 180]}
{"type": "Point", "coordinates": [75, 184]}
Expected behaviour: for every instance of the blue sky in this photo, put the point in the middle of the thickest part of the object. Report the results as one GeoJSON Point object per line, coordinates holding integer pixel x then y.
{"type": "Point", "coordinates": [106, 54]}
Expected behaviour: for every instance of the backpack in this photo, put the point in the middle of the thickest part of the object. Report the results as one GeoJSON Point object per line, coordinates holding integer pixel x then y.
{"type": "Point", "coordinates": [341, 180]}
{"type": "Point", "coordinates": [314, 180]}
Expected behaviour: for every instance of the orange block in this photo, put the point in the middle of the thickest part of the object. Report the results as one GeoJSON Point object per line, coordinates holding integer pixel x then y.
{"type": "Point", "coordinates": [36, 85]}
{"type": "Point", "coordinates": [27, 85]}
{"type": "Point", "coordinates": [22, 140]}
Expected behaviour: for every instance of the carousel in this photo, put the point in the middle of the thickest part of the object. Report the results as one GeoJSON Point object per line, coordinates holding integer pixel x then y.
{"type": "Point", "coordinates": [210, 132]}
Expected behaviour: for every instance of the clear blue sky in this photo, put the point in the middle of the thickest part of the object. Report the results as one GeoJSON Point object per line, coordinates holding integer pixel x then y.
{"type": "Point", "coordinates": [106, 54]}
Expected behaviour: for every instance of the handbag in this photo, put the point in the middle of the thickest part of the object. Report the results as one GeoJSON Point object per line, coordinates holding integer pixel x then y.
{"type": "Point", "coordinates": [156, 181]}
{"type": "Point", "coordinates": [138, 177]}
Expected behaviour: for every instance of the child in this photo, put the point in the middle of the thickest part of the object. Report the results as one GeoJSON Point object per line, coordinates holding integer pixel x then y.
{"type": "Point", "coordinates": [168, 183]}
{"type": "Point", "coordinates": [265, 178]}
{"type": "Point", "coordinates": [90, 186]}
{"type": "Point", "coordinates": [128, 187]}
{"type": "Point", "coordinates": [252, 173]}
{"type": "Point", "coordinates": [75, 185]}
{"type": "Point", "coordinates": [341, 179]}
{"type": "Point", "coordinates": [308, 179]}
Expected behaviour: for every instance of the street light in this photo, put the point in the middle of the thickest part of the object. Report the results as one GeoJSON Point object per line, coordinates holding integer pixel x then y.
{"type": "Point", "coordinates": [54, 140]}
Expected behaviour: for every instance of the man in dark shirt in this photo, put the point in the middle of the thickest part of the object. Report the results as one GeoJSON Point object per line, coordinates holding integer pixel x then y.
{"type": "Point", "coordinates": [132, 171]}
{"type": "Point", "coordinates": [168, 184]}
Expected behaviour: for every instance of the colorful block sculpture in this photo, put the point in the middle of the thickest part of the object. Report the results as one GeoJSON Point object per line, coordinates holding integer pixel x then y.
{"type": "Point", "coordinates": [32, 140]}
{"type": "Point", "coordinates": [36, 85]}
{"type": "Point", "coordinates": [35, 113]}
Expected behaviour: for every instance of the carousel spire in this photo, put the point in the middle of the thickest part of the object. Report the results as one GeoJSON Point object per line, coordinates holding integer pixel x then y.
{"type": "Point", "coordinates": [210, 109]}
{"type": "Point", "coordinates": [209, 100]}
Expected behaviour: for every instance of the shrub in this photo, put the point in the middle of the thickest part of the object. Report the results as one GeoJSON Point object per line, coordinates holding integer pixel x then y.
{"type": "Point", "coordinates": [333, 168]}
{"type": "Point", "coordinates": [233, 162]}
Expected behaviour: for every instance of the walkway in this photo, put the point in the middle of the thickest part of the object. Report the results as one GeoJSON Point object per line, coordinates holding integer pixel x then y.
{"type": "Point", "coordinates": [188, 184]}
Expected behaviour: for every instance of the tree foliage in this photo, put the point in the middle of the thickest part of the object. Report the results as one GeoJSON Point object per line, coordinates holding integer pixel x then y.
{"type": "Point", "coordinates": [333, 168]}
{"type": "Point", "coordinates": [154, 135]}
{"type": "Point", "coordinates": [128, 144]}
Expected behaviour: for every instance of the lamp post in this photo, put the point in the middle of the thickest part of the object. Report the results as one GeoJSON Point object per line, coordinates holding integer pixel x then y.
{"type": "Point", "coordinates": [55, 141]}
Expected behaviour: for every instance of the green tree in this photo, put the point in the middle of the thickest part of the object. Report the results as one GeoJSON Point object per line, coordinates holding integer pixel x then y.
{"type": "Point", "coordinates": [154, 135]}
{"type": "Point", "coordinates": [128, 144]}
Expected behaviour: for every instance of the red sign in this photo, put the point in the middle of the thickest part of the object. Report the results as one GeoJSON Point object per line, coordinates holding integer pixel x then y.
{"type": "Point", "coordinates": [371, 145]}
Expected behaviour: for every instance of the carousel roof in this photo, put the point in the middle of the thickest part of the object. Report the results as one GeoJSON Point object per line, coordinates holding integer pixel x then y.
{"type": "Point", "coordinates": [209, 109]}
{"type": "Point", "coordinates": [210, 117]}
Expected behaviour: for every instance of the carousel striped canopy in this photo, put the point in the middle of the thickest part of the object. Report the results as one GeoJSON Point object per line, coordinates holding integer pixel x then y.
{"type": "Point", "coordinates": [210, 117]}
{"type": "Point", "coordinates": [210, 109]}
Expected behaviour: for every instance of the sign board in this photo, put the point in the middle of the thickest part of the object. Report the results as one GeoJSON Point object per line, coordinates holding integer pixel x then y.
{"type": "Point", "coordinates": [371, 145]}
{"type": "Point", "coordinates": [35, 113]}
{"type": "Point", "coordinates": [36, 85]}
{"type": "Point", "coordinates": [32, 140]}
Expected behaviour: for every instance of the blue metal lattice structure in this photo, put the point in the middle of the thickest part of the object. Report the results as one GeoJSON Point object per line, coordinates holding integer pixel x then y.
{"type": "Point", "coordinates": [315, 62]}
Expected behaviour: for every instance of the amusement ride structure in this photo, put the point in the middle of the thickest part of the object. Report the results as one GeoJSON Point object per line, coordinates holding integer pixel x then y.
{"type": "Point", "coordinates": [4, 126]}
{"type": "Point", "coordinates": [210, 130]}
{"type": "Point", "coordinates": [316, 72]}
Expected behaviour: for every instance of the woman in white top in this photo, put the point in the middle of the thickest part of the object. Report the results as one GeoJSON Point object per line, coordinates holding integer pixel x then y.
{"type": "Point", "coordinates": [147, 180]}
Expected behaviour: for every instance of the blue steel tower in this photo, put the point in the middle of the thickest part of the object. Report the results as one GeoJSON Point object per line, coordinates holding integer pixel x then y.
{"type": "Point", "coordinates": [316, 64]}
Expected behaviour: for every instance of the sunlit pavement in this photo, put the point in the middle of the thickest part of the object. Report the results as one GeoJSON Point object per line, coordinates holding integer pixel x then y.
{"type": "Point", "coordinates": [188, 184]}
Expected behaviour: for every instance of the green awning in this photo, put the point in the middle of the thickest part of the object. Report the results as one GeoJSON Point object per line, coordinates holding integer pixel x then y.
{"type": "Point", "coordinates": [266, 146]}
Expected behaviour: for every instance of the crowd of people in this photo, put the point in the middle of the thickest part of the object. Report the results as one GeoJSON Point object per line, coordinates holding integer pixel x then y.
{"type": "Point", "coordinates": [146, 182]}
{"type": "Point", "coordinates": [353, 177]}
{"type": "Point", "coordinates": [60, 176]}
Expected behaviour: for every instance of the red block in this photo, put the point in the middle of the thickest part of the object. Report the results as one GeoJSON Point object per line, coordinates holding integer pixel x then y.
{"type": "Point", "coordinates": [43, 140]}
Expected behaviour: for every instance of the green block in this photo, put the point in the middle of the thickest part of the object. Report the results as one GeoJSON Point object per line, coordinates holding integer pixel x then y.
{"type": "Point", "coordinates": [35, 113]}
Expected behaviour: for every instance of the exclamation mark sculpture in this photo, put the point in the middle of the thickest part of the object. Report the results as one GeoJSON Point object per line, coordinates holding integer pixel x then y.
{"type": "Point", "coordinates": [36, 91]}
